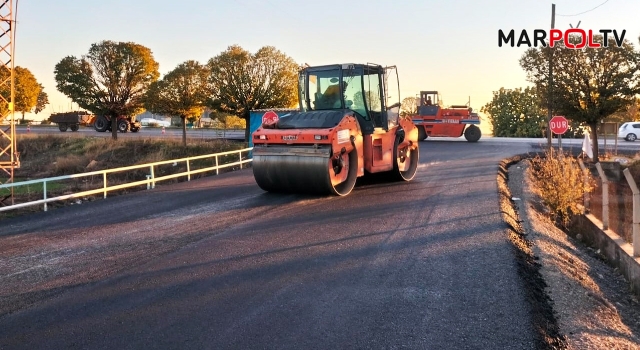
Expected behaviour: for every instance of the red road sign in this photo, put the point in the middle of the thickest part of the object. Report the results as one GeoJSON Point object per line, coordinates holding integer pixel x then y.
{"type": "Point", "coordinates": [559, 125]}
{"type": "Point", "coordinates": [269, 118]}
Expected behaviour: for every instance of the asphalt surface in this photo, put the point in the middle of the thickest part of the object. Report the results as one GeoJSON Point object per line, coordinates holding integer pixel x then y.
{"type": "Point", "coordinates": [217, 263]}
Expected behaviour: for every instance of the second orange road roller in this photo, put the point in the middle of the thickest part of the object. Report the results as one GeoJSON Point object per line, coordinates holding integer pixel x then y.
{"type": "Point", "coordinates": [347, 126]}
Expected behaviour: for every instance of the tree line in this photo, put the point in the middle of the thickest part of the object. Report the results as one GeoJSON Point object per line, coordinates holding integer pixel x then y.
{"type": "Point", "coordinates": [588, 86]}
{"type": "Point", "coordinates": [122, 78]}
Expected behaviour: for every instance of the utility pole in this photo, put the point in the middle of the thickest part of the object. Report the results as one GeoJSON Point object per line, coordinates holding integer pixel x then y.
{"type": "Point", "coordinates": [9, 160]}
{"type": "Point", "coordinates": [550, 86]}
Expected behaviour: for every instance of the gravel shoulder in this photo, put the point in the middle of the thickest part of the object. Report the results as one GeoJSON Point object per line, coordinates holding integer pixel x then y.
{"type": "Point", "coordinates": [593, 306]}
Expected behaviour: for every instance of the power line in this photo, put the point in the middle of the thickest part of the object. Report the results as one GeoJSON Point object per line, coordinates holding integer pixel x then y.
{"type": "Point", "coordinates": [606, 1]}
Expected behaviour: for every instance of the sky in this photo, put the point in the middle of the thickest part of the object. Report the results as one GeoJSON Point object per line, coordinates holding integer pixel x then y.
{"type": "Point", "coordinates": [449, 46]}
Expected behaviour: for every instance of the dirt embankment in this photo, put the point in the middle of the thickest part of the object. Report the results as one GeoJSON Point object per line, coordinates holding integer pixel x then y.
{"type": "Point", "coordinates": [587, 304]}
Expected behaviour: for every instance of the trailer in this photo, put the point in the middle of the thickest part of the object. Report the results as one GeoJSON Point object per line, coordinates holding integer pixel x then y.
{"type": "Point", "coordinates": [72, 120]}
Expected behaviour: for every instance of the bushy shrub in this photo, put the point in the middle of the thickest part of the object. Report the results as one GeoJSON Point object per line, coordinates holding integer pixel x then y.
{"type": "Point", "coordinates": [560, 183]}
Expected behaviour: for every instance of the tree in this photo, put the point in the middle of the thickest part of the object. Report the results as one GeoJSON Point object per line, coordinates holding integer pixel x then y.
{"type": "Point", "coordinates": [372, 99]}
{"type": "Point", "coordinates": [227, 121]}
{"type": "Point", "coordinates": [43, 101]}
{"type": "Point", "coordinates": [409, 106]}
{"type": "Point", "coordinates": [515, 113]}
{"type": "Point", "coordinates": [632, 113]}
{"type": "Point", "coordinates": [26, 91]}
{"type": "Point", "coordinates": [110, 80]}
{"type": "Point", "coordinates": [589, 84]}
{"type": "Point", "coordinates": [182, 92]}
{"type": "Point", "coordinates": [242, 81]}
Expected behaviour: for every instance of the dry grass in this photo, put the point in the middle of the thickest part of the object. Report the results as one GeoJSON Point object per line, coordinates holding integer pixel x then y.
{"type": "Point", "coordinates": [560, 183]}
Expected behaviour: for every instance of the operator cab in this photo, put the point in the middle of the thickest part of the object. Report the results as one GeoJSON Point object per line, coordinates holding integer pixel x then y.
{"type": "Point", "coordinates": [429, 103]}
{"type": "Point", "coordinates": [363, 89]}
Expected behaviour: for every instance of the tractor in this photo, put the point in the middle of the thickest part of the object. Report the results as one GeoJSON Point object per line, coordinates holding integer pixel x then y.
{"type": "Point", "coordinates": [433, 120]}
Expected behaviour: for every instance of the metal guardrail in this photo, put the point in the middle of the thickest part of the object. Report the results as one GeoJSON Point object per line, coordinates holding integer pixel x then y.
{"type": "Point", "coordinates": [150, 181]}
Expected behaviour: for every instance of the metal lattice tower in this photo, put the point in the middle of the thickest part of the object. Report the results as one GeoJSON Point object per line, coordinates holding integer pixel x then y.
{"type": "Point", "coordinates": [9, 157]}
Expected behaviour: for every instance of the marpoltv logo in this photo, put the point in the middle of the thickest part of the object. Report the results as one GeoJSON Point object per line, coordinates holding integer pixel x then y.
{"type": "Point", "coordinates": [557, 35]}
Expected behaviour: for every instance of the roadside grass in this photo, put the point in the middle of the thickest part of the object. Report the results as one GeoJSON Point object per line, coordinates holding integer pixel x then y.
{"type": "Point", "coordinates": [44, 156]}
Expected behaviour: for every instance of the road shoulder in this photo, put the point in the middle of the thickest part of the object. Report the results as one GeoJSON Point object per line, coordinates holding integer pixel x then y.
{"type": "Point", "coordinates": [592, 302]}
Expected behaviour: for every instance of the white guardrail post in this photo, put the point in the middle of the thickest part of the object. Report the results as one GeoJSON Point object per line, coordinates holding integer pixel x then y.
{"type": "Point", "coordinates": [188, 171]}
{"type": "Point", "coordinates": [636, 212]}
{"type": "Point", "coordinates": [153, 178]}
{"type": "Point", "coordinates": [585, 197]}
{"type": "Point", "coordinates": [104, 180]}
{"type": "Point", "coordinates": [44, 190]}
{"type": "Point", "coordinates": [605, 197]}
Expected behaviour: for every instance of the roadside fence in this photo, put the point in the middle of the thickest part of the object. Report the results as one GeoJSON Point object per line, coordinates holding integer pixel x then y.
{"type": "Point", "coordinates": [132, 174]}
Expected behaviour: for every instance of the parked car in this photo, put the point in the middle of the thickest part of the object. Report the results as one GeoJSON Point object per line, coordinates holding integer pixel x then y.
{"type": "Point", "coordinates": [629, 131]}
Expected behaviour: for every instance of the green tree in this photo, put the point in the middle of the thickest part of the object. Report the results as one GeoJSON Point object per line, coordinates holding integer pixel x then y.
{"type": "Point", "coordinates": [409, 106]}
{"type": "Point", "coordinates": [111, 79]}
{"type": "Point", "coordinates": [589, 84]}
{"type": "Point", "coordinates": [515, 113]}
{"type": "Point", "coordinates": [43, 101]}
{"type": "Point", "coordinates": [631, 113]}
{"type": "Point", "coordinates": [183, 92]}
{"type": "Point", "coordinates": [243, 81]}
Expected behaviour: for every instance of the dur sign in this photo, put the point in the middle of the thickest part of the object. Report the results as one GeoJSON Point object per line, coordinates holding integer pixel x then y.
{"type": "Point", "coordinates": [559, 125]}
{"type": "Point", "coordinates": [539, 38]}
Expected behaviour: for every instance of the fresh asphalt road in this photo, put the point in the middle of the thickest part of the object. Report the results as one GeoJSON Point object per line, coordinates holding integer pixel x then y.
{"type": "Point", "coordinates": [425, 265]}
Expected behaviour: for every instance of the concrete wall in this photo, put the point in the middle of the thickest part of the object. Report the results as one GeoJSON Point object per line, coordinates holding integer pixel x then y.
{"type": "Point", "coordinates": [616, 250]}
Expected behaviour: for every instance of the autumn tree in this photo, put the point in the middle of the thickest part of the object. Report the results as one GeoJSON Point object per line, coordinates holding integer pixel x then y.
{"type": "Point", "coordinates": [111, 79]}
{"type": "Point", "coordinates": [243, 81]}
{"type": "Point", "coordinates": [183, 92]}
{"type": "Point", "coordinates": [227, 121]}
{"type": "Point", "coordinates": [26, 90]}
{"type": "Point", "coordinates": [589, 84]}
{"type": "Point", "coordinates": [409, 106]}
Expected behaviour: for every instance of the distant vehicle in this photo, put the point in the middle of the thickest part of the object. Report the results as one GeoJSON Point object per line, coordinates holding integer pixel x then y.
{"type": "Point", "coordinates": [629, 131]}
{"type": "Point", "coordinates": [72, 120]}
{"type": "Point", "coordinates": [154, 122]}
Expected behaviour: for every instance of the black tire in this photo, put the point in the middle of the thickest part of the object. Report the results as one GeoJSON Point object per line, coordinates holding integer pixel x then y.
{"type": "Point", "coordinates": [123, 126]}
{"type": "Point", "coordinates": [472, 133]}
{"type": "Point", "coordinates": [135, 129]}
{"type": "Point", "coordinates": [74, 127]}
{"type": "Point", "coordinates": [631, 137]}
{"type": "Point", "coordinates": [101, 124]}
{"type": "Point", "coordinates": [62, 127]}
{"type": "Point", "coordinates": [422, 133]}
{"type": "Point", "coordinates": [413, 157]}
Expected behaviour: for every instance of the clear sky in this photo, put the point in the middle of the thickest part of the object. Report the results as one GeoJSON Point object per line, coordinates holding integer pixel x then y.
{"type": "Point", "coordinates": [449, 46]}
